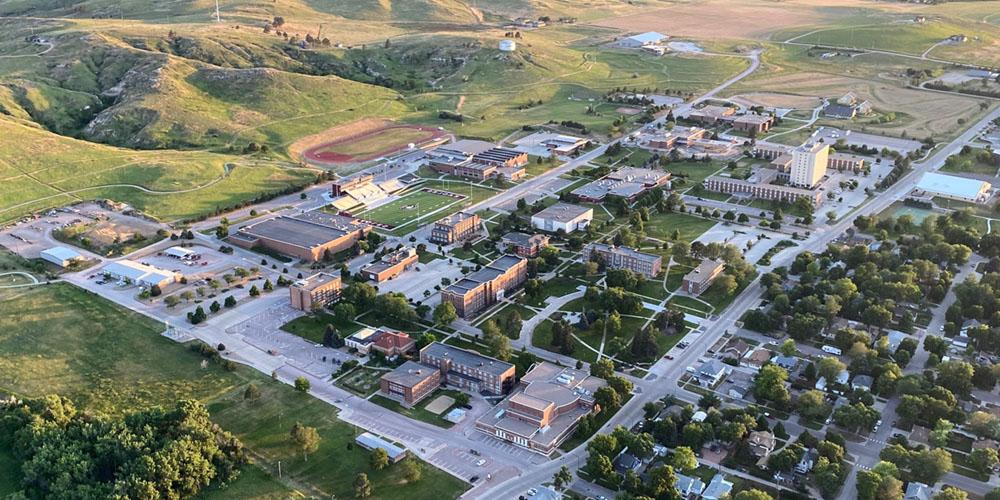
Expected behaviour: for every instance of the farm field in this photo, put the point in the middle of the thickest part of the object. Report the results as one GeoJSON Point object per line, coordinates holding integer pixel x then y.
{"type": "Point", "coordinates": [61, 339]}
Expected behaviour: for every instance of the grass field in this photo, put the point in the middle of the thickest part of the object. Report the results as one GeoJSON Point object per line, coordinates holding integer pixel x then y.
{"type": "Point", "coordinates": [418, 412]}
{"type": "Point", "coordinates": [60, 339]}
{"type": "Point", "coordinates": [662, 226]}
{"type": "Point", "coordinates": [312, 327]}
{"type": "Point", "coordinates": [409, 208]}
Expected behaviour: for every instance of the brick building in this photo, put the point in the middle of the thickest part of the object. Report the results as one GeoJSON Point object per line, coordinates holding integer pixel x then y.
{"type": "Point", "coordinates": [614, 257]}
{"type": "Point", "coordinates": [486, 287]}
{"type": "Point", "coordinates": [410, 382]}
{"type": "Point", "coordinates": [455, 227]}
{"type": "Point", "coordinates": [307, 236]}
{"type": "Point", "coordinates": [701, 277]}
{"type": "Point", "coordinates": [469, 370]}
{"type": "Point", "coordinates": [317, 290]}
{"type": "Point", "coordinates": [525, 245]}
{"type": "Point", "coordinates": [390, 265]}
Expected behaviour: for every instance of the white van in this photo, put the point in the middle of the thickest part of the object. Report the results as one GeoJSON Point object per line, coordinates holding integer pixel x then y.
{"type": "Point", "coordinates": [832, 350]}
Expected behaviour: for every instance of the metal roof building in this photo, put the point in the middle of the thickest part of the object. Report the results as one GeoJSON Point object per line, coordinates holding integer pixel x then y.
{"type": "Point", "coordinates": [957, 188]}
{"type": "Point", "coordinates": [370, 441]}
{"type": "Point", "coordinates": [60, 256]}
{"type": "Point", "coordinates": [140, 274]}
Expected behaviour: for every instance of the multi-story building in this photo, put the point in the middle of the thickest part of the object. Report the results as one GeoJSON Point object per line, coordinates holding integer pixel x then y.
{"type": "Point", "coordinates": [384, 341]}
{"type": "Point", "coordinates": [701, 277]}
{"type": "Point", "coordinates": [614, 257]}
{"type": "Point", "coordinates": [545, 411]}
{"type": "Point", "coordinates": [317, 290]}
{"type": "Point", "coordinates": [845, 161]}
{"type": "Point", "coordinates": [478, 160]}
{"type": "Point", "coordinates": [469, 370]}
{"type": "Point", "coordinates": [525, 245]}
{"type": "Point", "coordinates": [455, 227]}
{"type": "Point", "coordinates": [410, 382]}
{"type": "Point", "coordinates": [390, 265]}
{"type": "Point", "coordinates": [341, 186]}
{"type": "Point", "coordinates": [753, 123]}
{"type": "Point", "coordinates": [307, 236]}
{"type": "Point", "coordinates": [563, 216]}
{"type": "Point", "coordinates": [809, 165]}
{"type": "Point", "coordinates": [486, 287]}
{"type": "Point", "coordinates": [758, 187]}
{"type": "Point", "coordinates": [769, 151]}
{"type": "Point", "coordinates": [711, 114]}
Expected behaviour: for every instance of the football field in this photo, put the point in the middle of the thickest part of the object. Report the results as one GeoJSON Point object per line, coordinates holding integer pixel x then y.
{"type": "Point", "coordinates": [411, 207]}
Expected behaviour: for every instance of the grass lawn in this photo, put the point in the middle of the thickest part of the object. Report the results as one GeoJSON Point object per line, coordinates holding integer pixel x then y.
{"type": "Point", "coordinates": [61, 339]}
{"type": "Point", "coordinates": [653, 287]}
{"type": "Point", "coordinates": [687, 304]}
{"type": "Point", "coordinates": [676, 276]}
{"type": "Point", "coordinates": [502, 316]}
{"type": "Point", "coordinates": [635, 157]}
{"type": "Point", "coordinates": [312, 327]}
{"type": "Point", "coordinates": [692, 172]}
{"type": "Point", "coordinates": [362, 381]}
{"type": "Point", "coordinates": [426, 257]}
{"type": "Point", "coordinates": [418, 412]}
{"type": "Point", "coordinates": [662, 226]}
{"type": "Point", "coordinates": [557, 287]}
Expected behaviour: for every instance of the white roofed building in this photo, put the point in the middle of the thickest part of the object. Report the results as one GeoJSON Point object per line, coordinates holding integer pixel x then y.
{"type": "Point", "coordinates": [642, 40]}
{"type": "Point", "coordinates": [954, 187]}
{"type": "Point", "coordinates": [140, 274]}
{"type": "Point", "coordinates": [61, 256]}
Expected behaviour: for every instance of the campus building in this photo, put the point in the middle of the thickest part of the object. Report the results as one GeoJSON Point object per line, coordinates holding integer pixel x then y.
{"type": "Point", "coordinates": [390, 265]}
{"type": "Point", "coordinates": [341, 186]}
{"type": "Point", "coordinates": [563, 216]}
{"type": "Point", "coordinates": [479, 160]}
{"type": "Point", "coordinates": [410, 383]}
{"type": "Point", "coordinates": [956, 188]}
{"type": "Point", "coordinates": [626, 182]}
{"type": "Point", "coordinates": [614, 257]}
{"type": "Point", "coordinates": [684, 136]}
{"type": "Point", "coordinates": [701, 277]}
{"type": "Point", "coordinates": [753, 123]}
{"type": "Point", "coordinates": [387, 342]}
{"type": "Point", "coordinates": [525, 245]}
{"type": "Point", "coordinates": [759, 186]}
{"type": "Point", "coordinates": [711, 114]}
{"type": "Point", "coordinates": [545, 410]}
{"type": "Point", "coordinates": [469, 370]}
{"type": "Point", "coordinates": [307, 236]}
{"type": "Point", "coordinates": [455, 227]}
{"type": "Point", "coordinates": [486, 287]}
{"type": "Point", "coordinates": [140, 274]}
{"type": "Point", "coordinates": [808, 165]}
{"type": "Point", "coordinates": [769, 151]}
{"type": "Point", "coordinates": [317, 290]}
{"type": "Point", "coordinates": [845, 161]}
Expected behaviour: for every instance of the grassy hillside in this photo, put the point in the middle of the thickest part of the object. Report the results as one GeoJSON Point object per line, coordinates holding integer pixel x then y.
{"type": "Point", "coordinates": [40, 169]}
{"type": "Point", "coordinates": [61, 339]}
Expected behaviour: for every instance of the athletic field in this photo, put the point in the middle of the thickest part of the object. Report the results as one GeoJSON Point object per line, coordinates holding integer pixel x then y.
{"type": "Point", "coordinates": [411, 206]}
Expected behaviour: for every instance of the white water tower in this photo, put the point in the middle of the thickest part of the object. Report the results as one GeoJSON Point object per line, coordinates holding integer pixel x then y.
{"type": "Point", "coordinates": [508, 46]}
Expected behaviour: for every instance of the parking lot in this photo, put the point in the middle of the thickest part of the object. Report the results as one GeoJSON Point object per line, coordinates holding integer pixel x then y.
{"type": "Point", "coordinates": [422, 277]}
{"type": "Point", "coordinates": [832, 135]}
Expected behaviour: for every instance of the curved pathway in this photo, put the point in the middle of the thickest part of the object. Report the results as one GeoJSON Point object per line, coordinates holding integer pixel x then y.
{"type": "Point", "coordinates": [34, 280]}
{"type": "Point", "coordinates": [528, 327]}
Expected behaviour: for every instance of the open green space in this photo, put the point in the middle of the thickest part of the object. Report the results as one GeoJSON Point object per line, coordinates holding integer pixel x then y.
{"type": "Point", "coordinates": [312, 326]}
{"type": "Point", "coordinates": [408, 208]}
{"type": "Point", "coordinates": [688, 174]}
{"type": "Point", "coordinates": [363, 381]}
{"type": "Point", "coordinates": [503, 315]}
{"type": "Point", "coordinates": [635, 157]}
{"type": "Point", "coordinates": [972, 161]}
{"type": "Point", "coordinates": [692, 306]}
{"type": "Point", "coordinates": [662, 226]}
{"type": "Point", "coordinates": [419, 412]}
{"type": "Point", "coordinates": [61, 339]}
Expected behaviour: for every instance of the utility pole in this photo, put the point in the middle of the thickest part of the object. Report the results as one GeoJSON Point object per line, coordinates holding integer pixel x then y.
{"type": "Point", "coordinates": [319, 35]}
{"type": "Point", "coordinates": [217, 19]}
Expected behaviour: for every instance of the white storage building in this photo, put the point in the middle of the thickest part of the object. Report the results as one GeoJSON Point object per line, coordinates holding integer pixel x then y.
{"type": "Point", "coordinates": [563, 216]}
{"type": "Point", "coordinates": [140, 274]}
{"type": "Point", "coordinates": [642, 40]}
{"type": "Point", "coordinates": [61, 256]}
{"type": "Point", "coordinates": [955, 188]}
{"type": "Point", "coordinates": [180, 252]}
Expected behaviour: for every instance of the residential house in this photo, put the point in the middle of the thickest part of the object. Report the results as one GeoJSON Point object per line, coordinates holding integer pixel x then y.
{"type": "Point", "coordinates": [807, 462]}
{"type": "Point", "coordinates": [735, 349]}
{"type": "Point", "coordinates": [789, 363]}
{"type": "Point", "coordinates": [688, 486]}
{"type": "Point", "coordinates": [717, 488]}
{"type": "Point", "coordinates": [738, 391]}
{"type": "Point", "coordinates": [756, 359]}
{"type": "Point", "coordinates": [712, 372]}
{"type": "Point", "coordinates": [761, 443]}
{"type": "Point", "coordinates": [625, 462]}
{"type": "Point", "coordinates": [917, 491]}
{"type": "Point", "coordinates": [862, 382]}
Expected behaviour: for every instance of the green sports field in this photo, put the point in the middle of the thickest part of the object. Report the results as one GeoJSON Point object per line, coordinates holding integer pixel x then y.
{"type": "Point", "coordinates": [409, 208]}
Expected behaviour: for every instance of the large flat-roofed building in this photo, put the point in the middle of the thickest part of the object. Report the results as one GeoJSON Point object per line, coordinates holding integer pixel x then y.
{"type": "Point", "coordinates": [486, 287]}
{"type": "Point", "coordinates": [955, 188]}
{"type": "Point", "coordinates": [370, 441]}
{"type": "Point", "coordinates": [140, 274]}
{"type": "Point", "coordinates": [712, 114]}
{"type": "Point", "coordinates": [648, 177]}
{"type": "Point", "coordinates": [61, 256]}
{"type": "Point", "coordinates": [701, 277]}
{"type": "Point", "coordinates": [544, 410]}
{"type": "Point", "coordinates": [478, 160]}
{"type": "Point", "coordinates": [410, 382]}
{"type": "Point", "coordinates": [626, 182]}
{"type": "Point", "coordinates": [455, 227]}
{"type": "Point", "coordinates": [468, 370]}
{"type": "Point", "coordinates": [563, 216]}
{"type": "Point", "coordinates": [809, 165]}
{"type": "Point", "coordinates": [306, 236]}
{"type": "Point", "coordinates": [525, 245]}
{"type": "Point", "coordinates": [614, 257]}
{"type": "Point", "coordinates": [769, 151]}
{"type": "Point", "coordinates": [390, 265]}
{"type": "Point", "coordinates": [642, 40]}
{"type": "Point", "coordinates": [753, 123]}
{"type": "Point", "coordinates": [684, 136]}
{"type": "Point", "coordinates": [758, 186]}
{"type": "Point", "coordinates": [317, 290]}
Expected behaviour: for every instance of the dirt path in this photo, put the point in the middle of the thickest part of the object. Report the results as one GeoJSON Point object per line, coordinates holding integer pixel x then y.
{"type": "Point", "coordinates": [461, 102]}
{"type": "Point", "coordinates": [34, 280]}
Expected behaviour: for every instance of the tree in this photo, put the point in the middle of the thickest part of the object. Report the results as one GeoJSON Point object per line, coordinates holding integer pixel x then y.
{"type": "Point", "coordinates": [362, 486]}
{"type": "Point", "coordinates": [983, 424]}
{"type": "Point", "coordinates": [500, 347]}
{"type": "Point", "coordinates": [252, 393]}
{"type": "Point", "coordinates": [752, 494]}
{"type": "Point", "coordinates": [769, 384]}
{"type": "Point", "coordinates": [445, 313]}
{"type": "Point", "coordinates": [229, 302]}
{"type": "Point", "coordinates": [378, 459]}
{"type": "Point", "coordinates": [602, 368]}
{"type": "Point", "coordinates": [939, 436]}
{"type": "Point", "coordinates": [788, 348]}
{"type": "Point", "coordinates": [562, 478]}
{"type": "Point", "coordinates": [608, 398]}
{"type": "Point", "coordinates": [412, 470]}
{"type": "Point", "coordinates": [829, 367]}
{"type": "Point", "coordinates": [983, 460]}
{"type": "Point", "coordinates": [254, 292]}
{"type": "Point", "coordinates": [785, 459]}
{"type": "Point", "coordinates": [215, 307]}
{"type": "Point", "coordinates": [955, 376]}
{"type": "Point", "coordinates": [197, 316]}
{"type": "Point", "coordinates": [330, 336]}
{"type": "Point", "coordinates": [812, 404]}
{"type": "Point", "coordinates": [302, 384]}
{"type": "Point", "coordinates": [305, 438]}
{"type": "Point", "coordinates": [951, 493]}
{"type": "Point", "coordinates": [684, 459]}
